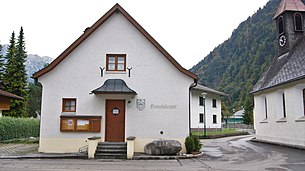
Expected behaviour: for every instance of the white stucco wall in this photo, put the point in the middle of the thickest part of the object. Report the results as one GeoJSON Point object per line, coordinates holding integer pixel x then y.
{"type": "Point", "coordinates": [153, 77]}
{"type": "Point", "coordinates": [275, 128]}
{"type": "Point", "coordinates": [210, 111]}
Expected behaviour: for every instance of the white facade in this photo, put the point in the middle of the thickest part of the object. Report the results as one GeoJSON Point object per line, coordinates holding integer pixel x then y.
{"type": "Point", "coordinates": [269, 121]}
{"type": "Point", "coordinates": [152, 77]}
{"type": "Point", "coordinates": [213, 114]}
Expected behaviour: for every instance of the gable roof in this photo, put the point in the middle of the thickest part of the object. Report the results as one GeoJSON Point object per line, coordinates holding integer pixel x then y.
{"type": "Point", "coordinates": [9, 95]}
{"type": "Point", "coordinates": [289, 5]}
{"type": "Point", "coordinates": [208, 90]}
{"type": "Point", "coordinates": [286, 68]}
{"type": "Point", "coordinates": [90, 30]}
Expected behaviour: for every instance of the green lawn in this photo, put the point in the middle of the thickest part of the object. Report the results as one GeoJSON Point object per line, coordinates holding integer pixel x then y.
{"type": "Point", "coordinates": [224, 131]}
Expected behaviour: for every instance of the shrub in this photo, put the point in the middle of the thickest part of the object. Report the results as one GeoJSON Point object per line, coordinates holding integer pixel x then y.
{"type": "Point", "coordinates": [197, 145]}
{"type": "Point", "coordinates": [189, 144]}
{"type": "Point", "coordinates": [192, 144]}
{"type": "Point", "coordinates": [12, 128]}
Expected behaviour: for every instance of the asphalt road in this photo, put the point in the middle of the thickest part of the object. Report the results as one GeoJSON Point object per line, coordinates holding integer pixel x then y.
{"type": "Point", "coordinates": [234, 153]}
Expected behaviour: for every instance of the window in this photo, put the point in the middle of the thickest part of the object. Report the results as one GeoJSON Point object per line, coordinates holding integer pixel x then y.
{"type": "Point", "coordinates": [266, 108]}
{"type": "Point", "coordinates": [80, 123]}
{"type": "Point", "coordinates": [214, 119]}
{"type": "Point", "coordinates": [284, 106]}
{"type": "Point", "coordinates": [69, 105]}
{"type": "Point", "coordinates": [298, 22]}
{"type": "Point", "coordinates": [116, 62]}
{"type": "Point", "coordinates": [304, 100]}
{"type": "Point", "coordinates": [200, 117]}
{"type": "Point", "coordinates": [280, 24]}
{"type": "Point", "coordinates": [200, 101]}
{"type": "Point", "coordinates": [214, 103]}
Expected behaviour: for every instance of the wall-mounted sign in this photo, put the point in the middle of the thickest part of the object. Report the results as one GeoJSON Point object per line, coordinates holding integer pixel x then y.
{"type": "Point", "coordinates": [140, 104]}
{"type": "Point", "coordinates": [115, 111]}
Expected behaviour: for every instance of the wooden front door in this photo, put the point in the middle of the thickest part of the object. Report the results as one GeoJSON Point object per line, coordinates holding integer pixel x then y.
{"type": "Point", "coordinates": [115, 121]}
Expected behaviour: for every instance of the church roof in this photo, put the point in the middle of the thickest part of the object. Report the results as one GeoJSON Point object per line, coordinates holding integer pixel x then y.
{"type": "Point", "coordinates": [97, 24]}
{"type": "Point", "coordinates": [286, 68]}
{"type": "Point", "coordinates": [289, 5]}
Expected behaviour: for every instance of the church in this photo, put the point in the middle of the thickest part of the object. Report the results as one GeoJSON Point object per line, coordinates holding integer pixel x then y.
{"type": "Point", "coordinates": [279, 95]}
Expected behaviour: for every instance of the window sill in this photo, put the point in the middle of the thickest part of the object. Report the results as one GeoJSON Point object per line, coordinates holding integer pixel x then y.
{"type": "Point", "coordinates": [68, 113]}
{"type": "Point", "coordinates": [301, 119]}
{"type": "Point", "coordinates": [282, 120]}
{"type": "Point", "coordinates": [264, 121]}
{"type": "Point", "coordinates": [115, 72]}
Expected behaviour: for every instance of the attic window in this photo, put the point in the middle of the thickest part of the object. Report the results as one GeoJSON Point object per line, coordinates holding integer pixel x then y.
{"type": "Point", "coordinates": [280, 24]}
{"type": "Point", "coordinates": [298, 22]}
{"type": "Point", "coordinates": [116, 62]}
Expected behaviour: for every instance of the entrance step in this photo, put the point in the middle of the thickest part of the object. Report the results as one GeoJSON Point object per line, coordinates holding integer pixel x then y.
{"type": "Point", "coordinates": [111, 150]}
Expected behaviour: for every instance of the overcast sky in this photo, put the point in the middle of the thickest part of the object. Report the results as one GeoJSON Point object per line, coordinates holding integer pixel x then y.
{"type": "Point", "coordinates": [187, 29]}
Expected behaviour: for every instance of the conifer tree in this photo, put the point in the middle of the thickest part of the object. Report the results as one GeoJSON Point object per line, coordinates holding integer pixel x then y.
{"type": "Point", "coordinates": [1, 68]}
{"type": "Point", "coordinates": [15, 76]}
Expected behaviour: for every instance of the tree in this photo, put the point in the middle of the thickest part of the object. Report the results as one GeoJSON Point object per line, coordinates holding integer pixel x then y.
{"type": "Point", "coordinates": [34, 101]}
{"type": "Point", "coordinates": [1, 68]}
{"type": "Point", "coordinates": [248, 116]}
{"type": "Point", "coordinates": [15, 78]}
{"type": "Point", "coordinates": [225, 114]}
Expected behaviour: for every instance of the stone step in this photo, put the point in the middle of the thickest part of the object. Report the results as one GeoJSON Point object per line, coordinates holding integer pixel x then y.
{"type": "Point", "coordinates": [110, 156]}
{"type": "Point", "coordinates": [111, 147]}
{"type": "Point", "coordinates": [112, 143]}
{"type": "Point", "coordinates": [111, 150]}
{"type": "Point", "coordinates": [123, 151]}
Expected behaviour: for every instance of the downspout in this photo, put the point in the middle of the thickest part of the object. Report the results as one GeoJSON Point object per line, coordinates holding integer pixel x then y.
{"type": "Point", "coordinates": [190, 88]}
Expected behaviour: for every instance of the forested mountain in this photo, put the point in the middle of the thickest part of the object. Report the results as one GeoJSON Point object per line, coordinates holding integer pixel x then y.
{"type": "Point", "coordinates": [236, 64]}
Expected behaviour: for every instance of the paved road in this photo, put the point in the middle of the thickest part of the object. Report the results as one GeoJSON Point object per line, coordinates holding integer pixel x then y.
{"type": "Point", "coordinates": [234, 153]}
{"type": "Point", "coordinates": [239, 153]}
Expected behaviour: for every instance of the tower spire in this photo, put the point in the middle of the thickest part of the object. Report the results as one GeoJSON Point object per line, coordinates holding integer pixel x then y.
{"type": "Point", "coordinates": [289, 5]}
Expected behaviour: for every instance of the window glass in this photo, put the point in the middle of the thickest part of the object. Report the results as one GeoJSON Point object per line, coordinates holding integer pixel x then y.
{"type": "Point", "coordinates": [284, 105]}
{"type": "Point", "coordinates": [69, 105]}
{"type": "Point", "coordinates": [214, 103]}
{"type": "Point", "coordinates": [304, 100]}
{"type": "Point", "coordinates": [214, 119]}
{"type": "Point", "coordinates": [200, 117]}
{"type": "Point", "coordinates": [200, 101]}
{"type": "Point", "coordinates": [266, 108]}
{"type": "Point", "coordinates": [116, 62]}
{"type": "Point", "coordinates": [298, 22]}
{"type": "Point", "coordinates": [281, 25]}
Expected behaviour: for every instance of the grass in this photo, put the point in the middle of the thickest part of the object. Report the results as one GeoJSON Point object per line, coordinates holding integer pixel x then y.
{"type": "Point", "coordinates": [224, 131]}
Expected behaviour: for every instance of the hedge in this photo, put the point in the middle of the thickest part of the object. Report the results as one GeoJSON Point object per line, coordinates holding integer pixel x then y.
{"type": "Point", "coordinates": [14, 128]}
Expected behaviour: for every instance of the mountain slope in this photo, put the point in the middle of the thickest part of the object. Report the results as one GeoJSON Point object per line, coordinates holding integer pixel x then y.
{"type": "Point", "coordinates": [33, 62]}
{"type": "Point", "coordinates": [236, 64]}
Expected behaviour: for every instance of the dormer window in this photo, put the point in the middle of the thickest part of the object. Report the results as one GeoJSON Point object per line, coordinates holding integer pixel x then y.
{"type": "Point", "coordinates": [280, 24]}
{"type": "Point", "coordinates": [298, 22]}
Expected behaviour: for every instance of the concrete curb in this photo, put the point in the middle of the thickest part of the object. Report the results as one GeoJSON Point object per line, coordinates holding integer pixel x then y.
{"type": "Point", "coordinates": [46, 156]}
{"type": "Point", "coordinates": [278, 144]}
{"type": "Point", "coordinates": [74, 156]}
{"type": "Point", "coordinates": [150, 157]}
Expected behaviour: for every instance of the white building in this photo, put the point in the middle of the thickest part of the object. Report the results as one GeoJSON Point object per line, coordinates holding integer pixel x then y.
{"type": "Point", "coordinates": [114, 81]}
{"type": "Point", "coordinates": [279, 95]}
{"type": "Point", "coordinates": [204, 97]}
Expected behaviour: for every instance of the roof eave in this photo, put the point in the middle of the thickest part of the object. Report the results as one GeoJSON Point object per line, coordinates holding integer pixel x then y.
{"type": "Point", "coordinates": [89, 31]}
{"type": "Point", "coordinates": [286, 82]}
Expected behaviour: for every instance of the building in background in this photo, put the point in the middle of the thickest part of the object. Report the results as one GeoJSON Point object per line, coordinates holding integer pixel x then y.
{"type": "Point", "coordinates": [5, 98]}
{"type": "Point", "coordinates": [279, 95]}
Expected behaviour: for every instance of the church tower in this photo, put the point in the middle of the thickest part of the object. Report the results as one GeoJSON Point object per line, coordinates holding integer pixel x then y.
{"type": "Point", "coordinates": [289, 19]}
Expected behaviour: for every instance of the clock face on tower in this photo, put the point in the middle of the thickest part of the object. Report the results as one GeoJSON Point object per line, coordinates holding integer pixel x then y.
{"type": "Point", "coordinates": [282, 40]}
